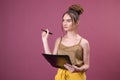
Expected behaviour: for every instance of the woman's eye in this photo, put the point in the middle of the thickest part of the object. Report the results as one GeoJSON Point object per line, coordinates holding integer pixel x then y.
{"type": "Point", "coordinates": [69, 20]}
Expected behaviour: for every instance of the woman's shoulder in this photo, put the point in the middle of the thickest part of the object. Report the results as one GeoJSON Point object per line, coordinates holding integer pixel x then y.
{"type": "Point", "coordinates": [58, 40]}
{"type": "Point", "coordinates": [84, 42]}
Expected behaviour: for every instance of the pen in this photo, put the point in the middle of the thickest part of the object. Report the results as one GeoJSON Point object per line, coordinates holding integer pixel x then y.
{"type": "Point", "coordinates": [46, 31]}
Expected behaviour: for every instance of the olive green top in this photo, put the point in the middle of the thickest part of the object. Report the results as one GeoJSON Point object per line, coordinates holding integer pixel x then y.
{"type": "Point", "coordinates": [75, 53]}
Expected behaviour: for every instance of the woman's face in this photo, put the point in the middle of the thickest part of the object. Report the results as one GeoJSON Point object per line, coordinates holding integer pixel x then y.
{"type": "Point", "coordinates": [67, 23]}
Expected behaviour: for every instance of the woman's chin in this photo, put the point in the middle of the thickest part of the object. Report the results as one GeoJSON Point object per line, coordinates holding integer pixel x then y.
{"type": "Point", "coordinates": [66, 29]}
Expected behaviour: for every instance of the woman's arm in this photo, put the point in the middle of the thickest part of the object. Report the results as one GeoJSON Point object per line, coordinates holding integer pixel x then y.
{"type": "Point", "coordinates": [86, 55]}
{"type": "Point", "coordinates": [46, 45]}
{"type": "Point", "coordinates": [45, 36]}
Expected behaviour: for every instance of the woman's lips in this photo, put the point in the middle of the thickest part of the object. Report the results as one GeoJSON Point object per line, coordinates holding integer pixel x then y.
{"type": "Point", "coordinates": [65, 27]}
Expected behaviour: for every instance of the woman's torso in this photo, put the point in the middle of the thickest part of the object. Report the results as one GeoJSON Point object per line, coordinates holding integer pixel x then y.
{"type": "Point", "coordinates": [75, 52]}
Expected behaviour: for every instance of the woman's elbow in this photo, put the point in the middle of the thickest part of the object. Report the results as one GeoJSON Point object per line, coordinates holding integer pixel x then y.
{"type": "Point", "coordinates": [87, 67]}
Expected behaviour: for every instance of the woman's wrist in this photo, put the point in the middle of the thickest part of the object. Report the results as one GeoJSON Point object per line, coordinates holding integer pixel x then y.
{"type": "Point", "coordinates": [77, 69]}
{"type": "Point", "coordinates": [45, 40]}
{"type": "Point", "coordinates": [83, 68]}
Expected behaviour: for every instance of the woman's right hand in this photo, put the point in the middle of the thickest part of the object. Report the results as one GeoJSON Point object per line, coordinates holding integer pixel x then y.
{"type": "Point", "coordinates": [45, 35]}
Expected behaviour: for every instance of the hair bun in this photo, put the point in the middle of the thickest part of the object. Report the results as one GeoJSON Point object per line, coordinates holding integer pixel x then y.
{"type": "Point", "coordinates": [77, 8]}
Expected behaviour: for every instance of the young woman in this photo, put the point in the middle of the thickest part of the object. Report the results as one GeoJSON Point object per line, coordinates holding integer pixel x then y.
{"type": "Point", "coordinates": [71, 44]}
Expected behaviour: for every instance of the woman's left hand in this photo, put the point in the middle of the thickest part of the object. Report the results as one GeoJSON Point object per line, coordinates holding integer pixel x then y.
{"type": "Point", "coordinates": [71, 68]}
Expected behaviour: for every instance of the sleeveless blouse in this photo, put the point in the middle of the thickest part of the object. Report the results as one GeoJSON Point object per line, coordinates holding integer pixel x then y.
{"type": "Point", "coordinates": [75, 53]}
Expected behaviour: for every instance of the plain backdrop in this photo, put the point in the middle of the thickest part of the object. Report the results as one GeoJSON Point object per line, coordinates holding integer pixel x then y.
{"type": "Point", "coordinates": [21, 47]}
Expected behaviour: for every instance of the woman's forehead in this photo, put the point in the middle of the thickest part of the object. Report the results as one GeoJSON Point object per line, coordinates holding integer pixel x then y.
{"type": "Point", "coordinates": [66, 16]}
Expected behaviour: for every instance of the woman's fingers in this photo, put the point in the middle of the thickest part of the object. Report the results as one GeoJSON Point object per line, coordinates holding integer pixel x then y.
{"type": "Point", "coordinates": [47, 31]}
{"type": "Point", "coordinates": [45, 34]}
{"type": "Point", "coordinates": [69, 67]}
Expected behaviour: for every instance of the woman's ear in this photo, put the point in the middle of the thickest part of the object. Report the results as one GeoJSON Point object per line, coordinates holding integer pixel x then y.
{"type": "Point", "coordinates": [77, 23]}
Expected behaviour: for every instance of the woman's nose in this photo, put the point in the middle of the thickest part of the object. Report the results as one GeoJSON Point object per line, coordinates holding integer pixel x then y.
{"type": "Point", "coordinates": [64, 23]}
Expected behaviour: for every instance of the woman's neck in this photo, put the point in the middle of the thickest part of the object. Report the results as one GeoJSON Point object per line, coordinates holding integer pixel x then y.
{"type": "Point", "coordinates": [71, 34]}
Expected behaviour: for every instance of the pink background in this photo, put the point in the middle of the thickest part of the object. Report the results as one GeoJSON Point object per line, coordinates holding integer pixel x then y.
{"type": "Point", "coordinates": [20, 37]}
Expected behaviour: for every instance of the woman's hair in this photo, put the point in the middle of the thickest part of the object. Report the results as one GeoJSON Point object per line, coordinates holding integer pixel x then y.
{"type": "Point", "coordinates": [74, 11]}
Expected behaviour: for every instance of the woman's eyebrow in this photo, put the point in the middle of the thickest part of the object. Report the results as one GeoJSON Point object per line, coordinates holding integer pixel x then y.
{"type": "Point", "coordinates": [66, 19]}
